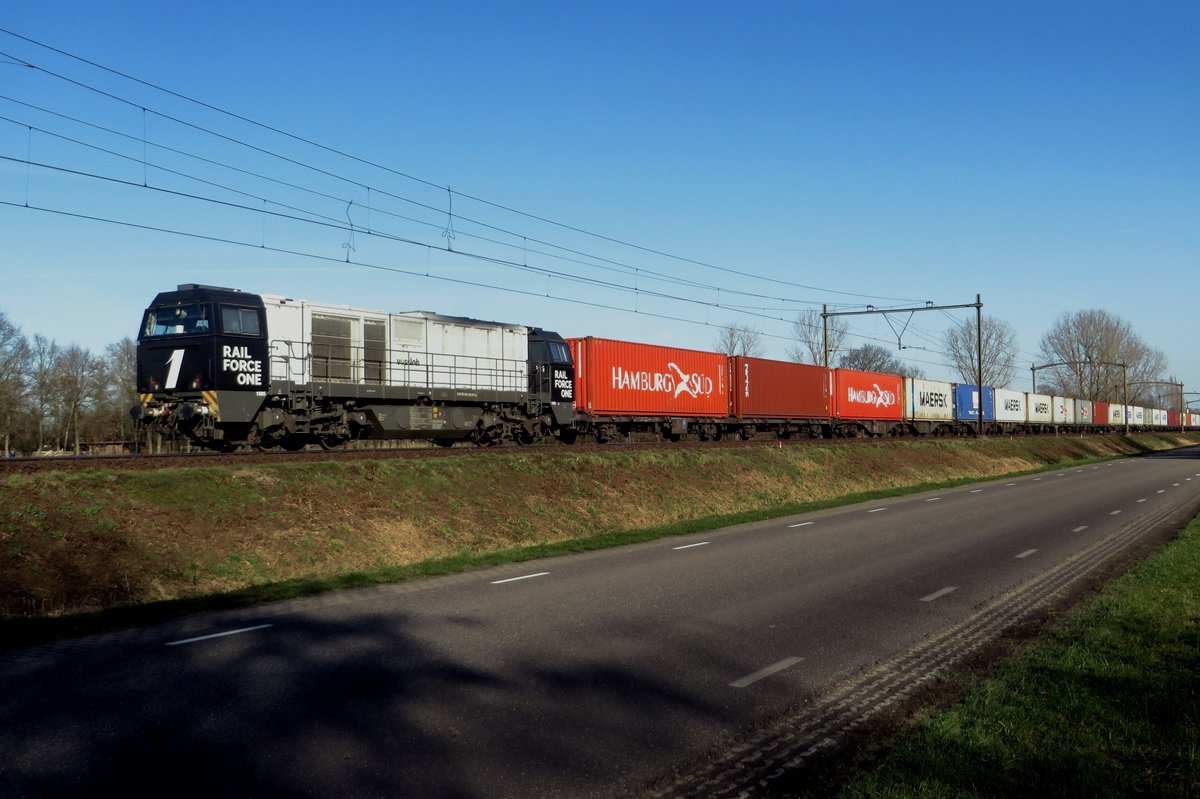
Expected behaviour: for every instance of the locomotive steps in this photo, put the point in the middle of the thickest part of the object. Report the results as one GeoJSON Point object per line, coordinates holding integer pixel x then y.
{"type": "Point", "coordinates": [136, 545]}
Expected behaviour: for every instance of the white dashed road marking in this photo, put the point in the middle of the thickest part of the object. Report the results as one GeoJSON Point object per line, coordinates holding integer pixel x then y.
{"type": "Point", "coordinates": [689, 546]}
{"type": "Point", "coordinates": [523, 577]}
{"type": "Point", "coordinates": [774, 668]}
{"type": "Point", "coordinates": [939, 594]}
{"type": "Point", "coordinates": [218, 635]}
{"type": "Point", "coordinates": [1026, 553]}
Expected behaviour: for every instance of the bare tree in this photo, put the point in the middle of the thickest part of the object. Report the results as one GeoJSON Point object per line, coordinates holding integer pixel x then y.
{"type": "Point", "coordinates": [1090, 343]}
{"type": "Point", "coordinates": [809, 332]}
{"type": "Point", "coordinates": [43, 387]}
{"type": "Point", "coordinates": [118, 391]}
{"type": "Point", "coordinates": [14, 357]}
{"type": "Point", "coordinates": [999, 351]}
{"type": "Point", "coordinates": [874, 358]}
{"type": "Point", "coordinates": [78, 375]}
{"type": "Point", "coordinates": [737, 339]}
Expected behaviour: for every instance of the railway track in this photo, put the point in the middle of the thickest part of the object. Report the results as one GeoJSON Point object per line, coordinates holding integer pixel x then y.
{"type": "Point", "coordinates": [250, 457]}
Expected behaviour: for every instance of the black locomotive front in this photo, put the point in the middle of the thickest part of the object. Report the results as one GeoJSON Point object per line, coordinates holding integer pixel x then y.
{"type": "Point", "coordinates": [202, 364]}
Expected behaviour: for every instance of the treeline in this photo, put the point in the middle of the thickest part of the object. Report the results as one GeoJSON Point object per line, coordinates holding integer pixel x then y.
{"type": "Point", "coordinates": [61, 397]}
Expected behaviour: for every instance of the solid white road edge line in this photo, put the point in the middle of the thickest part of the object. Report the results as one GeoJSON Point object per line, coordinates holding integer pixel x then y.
{"type": "Point", "coordinates": [938, 594]}
{"type": "Point", "coordinates": [774, 668]}
{"type": "Point", "coordinates": [218, 635]}
{"type": "Point", "coordinates": [689, 546]}
{"type": "Point", "coordinates": [523, 577]}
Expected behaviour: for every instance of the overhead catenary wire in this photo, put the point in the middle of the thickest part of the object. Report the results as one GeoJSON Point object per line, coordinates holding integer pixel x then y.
{"type": "Point", "coordinates": [760, 312]}
{"type": "Point", "coordinates": [375, 165]}
{"type": "Point", "coordinates": [596, 263]}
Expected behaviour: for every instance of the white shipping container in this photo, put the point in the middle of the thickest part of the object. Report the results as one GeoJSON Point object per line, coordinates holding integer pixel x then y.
{"type": "Point", "coordinates": [929, 400]}
{"type": "Point", "coordinates": [1137, 415]}
{"type": "Point", "coordinates": [1041, 408]}
{"type": "Point", "coordinates": [1010, 405]}
{"type": "Point", "coordinates": [1064, 410]}
{"type": "Point", "coordinates": [1116, 414]}
{"type": "Point", "coordinates": [1158, 418]}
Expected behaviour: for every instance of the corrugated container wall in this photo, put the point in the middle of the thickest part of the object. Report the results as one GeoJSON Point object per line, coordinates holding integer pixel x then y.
{"type": "Point", "coordinates": [1010, 405]}
{"type": "Point", "coordinates": [928, 400]}
{"type": "Point", "coordinates": [1116, 413]}
{"type": "Point", "coordinates": [1064, 410]}
{"type": "Point", "coordinates": [625, 378]}
{"type": "Point", "coordinates": [1173, 418]}
{"type": "Point", "coordinates": [778, 389]}
{"type": "Point", "coordinates": [1137, 415]}
{"type": "Point", "coordinates": [867, 395]}
{"type": "Point", "coordinates": [966, 403]}
{"type": "Point", "coordinates": [1099, 412]}
{"type": "Point", "coordinates": [1040, 408]}
{"type": "Point", "coordinates": [1084, 412]}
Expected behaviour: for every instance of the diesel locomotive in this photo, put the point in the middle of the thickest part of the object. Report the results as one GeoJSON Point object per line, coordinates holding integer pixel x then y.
{"type": "Point", "coordinates": [225, 368]}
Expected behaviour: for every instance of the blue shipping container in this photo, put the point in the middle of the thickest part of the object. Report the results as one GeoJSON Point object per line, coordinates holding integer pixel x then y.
{"type": "Point", "coordinates": [966, 403]}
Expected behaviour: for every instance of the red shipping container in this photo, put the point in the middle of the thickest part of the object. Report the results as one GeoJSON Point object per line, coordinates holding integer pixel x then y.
{"type": "Point", "coordinates": [866, 395]}
{"type": "Point", "coordinates": [621, 378]}
{"type": "Point", "coordinates": [765, 389]}
{"type": "Point", "coordinates": [1173, 418]}
{"type": "Point", "coordinates": [1099, 413]}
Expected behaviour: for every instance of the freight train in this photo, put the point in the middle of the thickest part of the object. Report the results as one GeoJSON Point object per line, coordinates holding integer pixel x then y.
{"type": "Point", "coordinates": [226, 369]}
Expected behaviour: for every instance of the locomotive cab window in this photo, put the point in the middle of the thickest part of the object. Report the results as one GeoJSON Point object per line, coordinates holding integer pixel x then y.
{"type": "Point", "coordinates": [549, 352]}
{"type": "Point", "coordinates": [559, 352]}
{"type": "Point", "coordinates": [240, 321]}
{"type": "Point", "coordinates": [179, 320]}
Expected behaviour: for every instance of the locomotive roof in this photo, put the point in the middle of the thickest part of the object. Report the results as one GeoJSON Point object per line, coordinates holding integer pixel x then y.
{"type": "Point", "coordinates": [195, 292]}
{"type": "Point", "coordinates": [431, 315]}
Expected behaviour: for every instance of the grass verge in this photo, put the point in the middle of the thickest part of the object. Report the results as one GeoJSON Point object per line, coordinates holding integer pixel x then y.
{"type": "Point", "coordinates": [1106, 705]}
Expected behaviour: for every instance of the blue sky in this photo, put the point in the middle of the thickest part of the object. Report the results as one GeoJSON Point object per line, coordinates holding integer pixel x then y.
{"type": "Point", "coordinates": [1042, 155]}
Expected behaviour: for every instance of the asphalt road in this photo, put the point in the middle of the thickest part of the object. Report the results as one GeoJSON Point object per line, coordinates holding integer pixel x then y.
{"type": "Point", "coordinates": [588, 675]}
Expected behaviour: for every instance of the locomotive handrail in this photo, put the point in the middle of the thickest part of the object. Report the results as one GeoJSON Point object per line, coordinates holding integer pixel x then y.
{"type": "Point", "coordinates": [295, 363]}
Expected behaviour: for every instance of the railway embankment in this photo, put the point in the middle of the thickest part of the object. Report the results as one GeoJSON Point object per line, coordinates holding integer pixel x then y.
{"type": "Point", "coordinates": [77, 542]}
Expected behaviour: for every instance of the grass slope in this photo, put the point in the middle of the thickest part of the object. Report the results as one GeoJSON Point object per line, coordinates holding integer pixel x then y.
{"type": "Point", "coordinates": [74, 543]}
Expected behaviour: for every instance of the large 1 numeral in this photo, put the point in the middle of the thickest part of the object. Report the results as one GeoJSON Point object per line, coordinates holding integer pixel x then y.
{"type": "Point", "coordinates": [175, 362]}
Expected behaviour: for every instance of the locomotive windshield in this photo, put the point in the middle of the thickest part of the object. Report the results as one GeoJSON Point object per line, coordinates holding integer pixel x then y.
{"type": "Point", "coordinates": [178, 320]}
